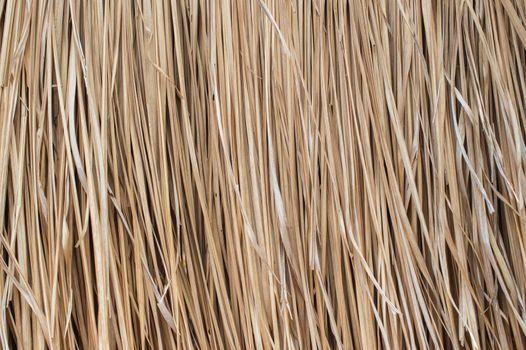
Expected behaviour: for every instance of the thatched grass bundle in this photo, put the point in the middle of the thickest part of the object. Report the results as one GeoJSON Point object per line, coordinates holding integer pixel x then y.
{"type": "Point", "coordinates": [258, 174]}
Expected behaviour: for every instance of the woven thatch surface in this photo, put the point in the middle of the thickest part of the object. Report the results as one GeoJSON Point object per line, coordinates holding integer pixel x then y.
{"type": "Point", "coordinates": [257, 174]}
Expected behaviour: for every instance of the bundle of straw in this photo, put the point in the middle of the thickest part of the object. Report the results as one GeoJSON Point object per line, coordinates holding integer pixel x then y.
{"type": "Point", "coordinates": [262, 174]}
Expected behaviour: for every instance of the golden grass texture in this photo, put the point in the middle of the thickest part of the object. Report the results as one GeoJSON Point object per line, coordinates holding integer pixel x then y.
{"type": "Point", "coordinates": [262, 174]}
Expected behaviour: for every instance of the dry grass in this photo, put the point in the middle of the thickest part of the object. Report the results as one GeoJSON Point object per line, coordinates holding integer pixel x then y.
{"type": "Point", "coordinates": [257, 174]}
